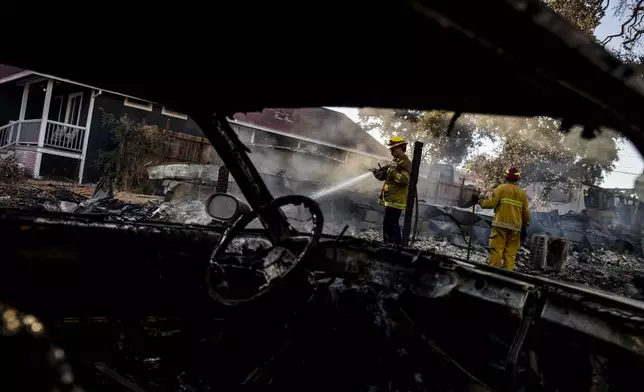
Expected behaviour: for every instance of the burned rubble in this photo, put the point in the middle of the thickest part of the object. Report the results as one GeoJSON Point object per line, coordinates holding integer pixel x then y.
{"type": "Point", "coordinates": [597, 266]}
{"type": "Point", "coordinates": [602, 269]}
{"type": "Point", "coordinates": [37, 197]}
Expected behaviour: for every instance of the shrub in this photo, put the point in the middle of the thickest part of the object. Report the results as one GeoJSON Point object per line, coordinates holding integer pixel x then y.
{"type": "Point", "coordinates": [11, 170]}
{"type": "Point", "coordinates": [136, 145]}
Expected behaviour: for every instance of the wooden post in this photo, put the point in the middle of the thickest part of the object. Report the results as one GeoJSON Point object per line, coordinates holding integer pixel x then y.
{"type": "Point", "coordinates": [412, 192]}
{"type": "Point", "coordinates": [88, 124]}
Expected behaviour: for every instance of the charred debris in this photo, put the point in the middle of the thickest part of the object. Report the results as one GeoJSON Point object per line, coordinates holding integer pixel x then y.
{"type": "Point", "coordinates": [357, 316]}
{"type": "Point", "coordinates": [596, 256]}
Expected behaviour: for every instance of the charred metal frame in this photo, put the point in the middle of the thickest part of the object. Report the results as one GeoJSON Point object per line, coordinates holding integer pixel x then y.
{"type": "Point", "coordinates": [234, 155]}
{"type": "Point", "coordinates": [599, 319]}
{"type": "Point", "coordinates": [222, 180]}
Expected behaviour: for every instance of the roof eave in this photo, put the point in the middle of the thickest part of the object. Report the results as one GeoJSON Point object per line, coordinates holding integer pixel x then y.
{"type": "Point", "coordinates": [24, 74]}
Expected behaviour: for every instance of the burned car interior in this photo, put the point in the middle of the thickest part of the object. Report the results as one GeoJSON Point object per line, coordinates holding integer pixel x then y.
{"type": "Point", "coordinates": [90, 302]}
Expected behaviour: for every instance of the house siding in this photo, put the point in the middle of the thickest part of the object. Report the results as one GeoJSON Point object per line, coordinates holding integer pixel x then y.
{"type": "Point", "coordinates": [10, 100]}
{"type": "Point", "coordinates": [101, 140]}
{"type": "Point", "coordinates": [321, 124]}
{"type": "Point", "coordinates": [115, 105]}
{"type": "Point", "coordinates": [279, 155]}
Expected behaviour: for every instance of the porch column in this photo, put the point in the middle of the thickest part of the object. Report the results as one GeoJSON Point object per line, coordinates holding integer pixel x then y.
{"type": "Point", "coordinates": [88, 125]}
{"type": "Point", "coordinates": [43, 127]}
{"type": "Point", "coordinates": [23, 109]}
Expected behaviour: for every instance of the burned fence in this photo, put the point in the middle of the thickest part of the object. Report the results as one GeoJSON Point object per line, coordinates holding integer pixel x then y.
{"type": "Point", "coordinates": [189, 149]}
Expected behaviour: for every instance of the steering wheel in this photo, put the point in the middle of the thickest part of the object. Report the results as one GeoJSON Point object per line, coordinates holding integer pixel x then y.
{"type": "Point", "coordinates": [229, 284]}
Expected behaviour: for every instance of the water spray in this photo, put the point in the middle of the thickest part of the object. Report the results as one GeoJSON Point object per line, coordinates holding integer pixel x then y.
{"type": "Point", "coordinates": [334, 188]}
{"type": "Point", "coordinates": [342, 185]}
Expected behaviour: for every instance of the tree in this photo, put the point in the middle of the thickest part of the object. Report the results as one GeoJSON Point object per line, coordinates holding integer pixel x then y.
{"type": "Point", "coordinates": [534, 145]}
{"type": "Point", "coordinates": [428, 127]}
{"type": "Point", "coordinates": [585, 14]}
{"type": "Point", "coordinates": [631, 14]}
{"type": "Point", "coordinates": [544, 154]}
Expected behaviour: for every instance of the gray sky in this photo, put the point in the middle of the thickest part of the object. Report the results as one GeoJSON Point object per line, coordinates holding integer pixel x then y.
{"type": "Point", "coordinates": [630, 163]}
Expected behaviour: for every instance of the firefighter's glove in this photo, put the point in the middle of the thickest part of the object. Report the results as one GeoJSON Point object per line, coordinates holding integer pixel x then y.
{"type": "Point", "coordinates": [475, 199]}
{"type": "Point", "coordinates": [524, 234]}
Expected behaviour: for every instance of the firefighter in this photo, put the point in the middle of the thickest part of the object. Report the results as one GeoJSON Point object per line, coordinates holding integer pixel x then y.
{"type": "Point", "coordinates": [393, 195]}
{"type": "Point", "coordinates": [511, 219]}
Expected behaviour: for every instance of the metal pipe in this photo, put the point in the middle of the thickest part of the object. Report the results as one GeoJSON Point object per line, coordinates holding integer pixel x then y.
{"type": "Point", "coordinates": [411, 193]}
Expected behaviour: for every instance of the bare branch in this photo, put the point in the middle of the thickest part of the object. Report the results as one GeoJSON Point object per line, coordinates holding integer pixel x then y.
{"type": "Point", "coordinates": [604, 8]}
{"type": "Point", "coordinates": [631, 29]}
{"type": "Point", "coordinates": [634, 31]}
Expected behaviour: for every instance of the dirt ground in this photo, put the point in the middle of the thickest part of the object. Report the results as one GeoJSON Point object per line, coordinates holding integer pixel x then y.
{"type": "Point", "coordinates": [82, 190]}
{"type": "Point", "coordinates": [87, 190]}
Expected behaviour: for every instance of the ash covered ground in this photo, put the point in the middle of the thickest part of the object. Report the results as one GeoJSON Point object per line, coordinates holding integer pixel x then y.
{"type": "Point", "coordinates": [602, 269]}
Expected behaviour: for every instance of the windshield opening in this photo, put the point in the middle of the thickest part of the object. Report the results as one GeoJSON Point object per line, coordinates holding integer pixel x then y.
{"type": "Point", "coordinates": [78, 149]}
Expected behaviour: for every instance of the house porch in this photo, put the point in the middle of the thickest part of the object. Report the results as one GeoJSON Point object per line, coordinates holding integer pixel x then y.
{"type": "Point", "coordinates": [46, 125]}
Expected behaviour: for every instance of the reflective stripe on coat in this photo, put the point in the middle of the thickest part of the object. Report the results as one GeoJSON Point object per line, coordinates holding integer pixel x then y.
{"type": "Point", "coordinates": [396, 177]}
{"type": "Point", "coordinates": [510, 204]}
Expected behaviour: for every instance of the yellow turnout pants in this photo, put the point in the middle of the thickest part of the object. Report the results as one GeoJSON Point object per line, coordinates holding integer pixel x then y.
{"type": "Point", "coordinates": [504, 245]}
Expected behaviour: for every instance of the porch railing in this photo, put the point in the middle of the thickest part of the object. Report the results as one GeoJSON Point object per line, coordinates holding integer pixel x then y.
{"type": "Point", "coordinates": [57, 135]}
{"type": "Point", "coordinates": [64, 136]}
{"type": "Point", "coordinates": [8, 134]}
{"type": "Point", "coordinates": [20, 132]}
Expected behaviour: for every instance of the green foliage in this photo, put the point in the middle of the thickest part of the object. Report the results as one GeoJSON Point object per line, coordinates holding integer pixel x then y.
{"type": "Point", "coordinates": [136, 146]}
{"type": "Point", "coordinates": [585, 14]}
{"type": "Point", "coordinates": [544, 154]}
{"type": "Point", "coordinates": [534, 145]}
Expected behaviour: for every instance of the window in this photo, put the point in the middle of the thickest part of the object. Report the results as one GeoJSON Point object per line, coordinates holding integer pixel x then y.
{"type": "Point", "coordinates": [172, 113]}
{"type": "Point", "coordinates": [135, 103]}
{"type": "Point", "coordinates": [590, 198]}
{"type": "Point", "coordinates": [332, 152]}
{"type": "Point", "coordinates": [57, 108]}
{"type": "Point", "coordinates": [270, 139]}
{"type": "Point", "coordinates": [74, 105]}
